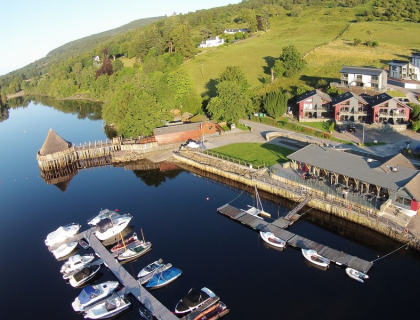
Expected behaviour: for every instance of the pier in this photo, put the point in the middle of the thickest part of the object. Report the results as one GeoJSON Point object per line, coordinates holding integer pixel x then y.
{"type": "Point", "coordinates": [277, 228]}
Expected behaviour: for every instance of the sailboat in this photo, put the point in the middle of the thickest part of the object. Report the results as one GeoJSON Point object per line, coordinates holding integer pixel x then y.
{"type": "Point", "coordinates": [257, 211]}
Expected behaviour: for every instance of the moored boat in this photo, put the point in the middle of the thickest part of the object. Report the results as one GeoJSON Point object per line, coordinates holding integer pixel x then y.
{"type": "Point", "coordinates": [92, 294]}
{"type": "Point", "coordinates": [108, 307]}
{"type": "Point", "coordinates": [75, 263]}
{"type": "Point", "coordinates": [163, 278]}
{"type": "Point", "coordinates": [83, 276]}
{"type": "Point", "coordinates": [105, 213]}
{"type": "Point", "coordinates": [271, 239]}
{"type": "Point", "coordinates": [126, 242]}
{"type": "Point", "coordinates": [150, 268]}
{"type": "Point", "coordinates": [356, 274]}
{"type": "Point", "coordinates": [134, 252]}
{"type": "Point", "coordinates": [315, 258]}
{"type": "Point", "coordinates": [64, 250]}
{"type": "Point", "coordinates": [106, 228]}
{"type": "Point", "coordinates": [146, 278]}
{"type": "Point", "coordinates": [193, 300]}
{"type": "Point", "coordinates": [214, 312]}
{"type": "Point", "coordinates": [61, 234]}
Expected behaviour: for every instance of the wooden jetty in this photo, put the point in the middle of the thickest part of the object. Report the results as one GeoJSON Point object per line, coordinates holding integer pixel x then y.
{"type": "Point", "coordinates": [277, 228]}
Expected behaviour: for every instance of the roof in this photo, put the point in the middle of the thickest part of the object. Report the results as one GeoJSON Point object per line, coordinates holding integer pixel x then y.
{"type": "Point", "coordinates": [381, 98]}
{"type": "Point", "coordinates": [176, 128]}
{"type": "Point", "coordinates": [398, 63]}
{"type": "Point", "coordinates": [362, 70]}
{"type": "Point", "coordinates": [356, 167]}
{"type": "Point", "coordinates": [346, 96]}
{"type": "Point", "coordinates": [415, 54]}
{"type": "Point", "coordinates": [53, 143]}
{"type": "Point", "coordinates": [413, 187]}
{"type": "Point", "coordinates": [309, 94]}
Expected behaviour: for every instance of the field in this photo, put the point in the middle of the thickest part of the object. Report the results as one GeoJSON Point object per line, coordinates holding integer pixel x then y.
{"type": "Point", "coordinates": [324, 36]}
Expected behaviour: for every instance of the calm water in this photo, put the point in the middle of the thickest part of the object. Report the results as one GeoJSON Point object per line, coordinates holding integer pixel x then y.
{"type": "Point", "coordinates": [173, 211]}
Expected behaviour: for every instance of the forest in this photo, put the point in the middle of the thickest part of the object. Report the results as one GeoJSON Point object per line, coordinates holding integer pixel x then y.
{"type": "Point", "coordinates": [140, 76]}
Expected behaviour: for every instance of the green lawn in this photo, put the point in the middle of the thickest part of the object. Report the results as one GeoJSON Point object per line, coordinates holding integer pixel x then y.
{"type": "Point", "coordinates": [321, 126]}
{"type": "Point", "coordinates": [255, 153]}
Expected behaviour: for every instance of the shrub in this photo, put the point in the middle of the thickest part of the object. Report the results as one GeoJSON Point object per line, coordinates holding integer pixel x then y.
{"type": "Point", "coordinates": [357, 41]}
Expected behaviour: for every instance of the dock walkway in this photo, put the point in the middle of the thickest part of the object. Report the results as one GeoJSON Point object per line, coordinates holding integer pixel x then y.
{"type": "Point", "coordinates": [277, 228]}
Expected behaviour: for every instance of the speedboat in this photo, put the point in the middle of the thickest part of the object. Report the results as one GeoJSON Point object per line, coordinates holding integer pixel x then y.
{"type": "Point", "coordinates": [75, 263]}
{"type": "Point", "coordinates": [214, 312]}
{"type": "Point", "coordinates": [107, 227]}
{"type": "Point", "coordinates": [61, 234]}
{"type": "Point", "coordinates": [125, 243]}
{"type": "Point", "coordinates": [163, 278]}
{"type": "Point", "coordinates": [315, 258]}
{"type": "Point", "coordinates": [83, 276]}
{"type": "Point", "coordinates": [150, 268]}
{"type": "Point", "coordinates": [193, 300]}
{"type": "Point", "coordinates": [356, 274]}
{"type": "Point", "coordinates": [64, 250]}
{"type": "Point", "coordinates": [92, 294]}
{"type": "Point", "coordinates": [108, 307]}
{"type": "Point", "coordinates": [143, 280]}
{"type": "Point", "coordinates": [134, 252]}
{"type": "Point", "coordinates": [105, 213]}
{"type": "Point", "coordinates": [271, 239]}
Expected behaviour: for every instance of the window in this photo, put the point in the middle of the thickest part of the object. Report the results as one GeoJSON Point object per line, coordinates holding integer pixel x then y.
{"type": "Point", "coordinates": [403, 200]}
{"type": "Point", "coordinates": [307, 105]}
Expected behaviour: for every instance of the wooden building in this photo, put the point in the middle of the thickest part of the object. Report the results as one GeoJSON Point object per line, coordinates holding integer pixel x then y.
{"type": "Point", "coordinates": [184, 131]}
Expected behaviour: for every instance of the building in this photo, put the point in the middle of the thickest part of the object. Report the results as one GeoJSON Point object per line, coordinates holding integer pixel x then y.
{"type": "Point", "coordinates": [211, 42]}
{"type": "Point", "coordinates": [314, 105]}
{"type": "Point", "coordinates": [395, 180]}
{"type": "Point", "coordinates": [415, 59]}
{"type": "Point", "coordinates": [183, 131]}
{"type": "Point", "coordinates": [233, 31]}
{"type": "Point", "coordinates": [367, 77]}
{"type": "Point", "coordinates": [404, 70]}
{"type": "Point", "coordinates": [350, 107]}
{"type": "Point", "coordinates": [386, 109]}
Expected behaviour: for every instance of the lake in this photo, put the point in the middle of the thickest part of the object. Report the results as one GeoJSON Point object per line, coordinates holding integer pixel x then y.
{"type": "Point", "coordinates": [176, 210]}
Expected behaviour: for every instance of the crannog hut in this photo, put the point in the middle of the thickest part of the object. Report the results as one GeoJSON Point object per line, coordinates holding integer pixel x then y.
{"type": "Point", "coordinates": [54, 143]}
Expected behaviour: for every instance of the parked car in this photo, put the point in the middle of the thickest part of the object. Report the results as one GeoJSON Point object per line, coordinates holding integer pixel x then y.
{"type": "Point", "coordinates": [351, 128]}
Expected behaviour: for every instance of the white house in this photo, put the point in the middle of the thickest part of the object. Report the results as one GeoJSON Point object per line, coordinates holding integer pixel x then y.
{"type": "Point", "coordinates": [211, 42]}
{"type": "Point", "coordinates": [233, 31]}
{"type": "Point", "coordinates": [367, 77]}
{"type": "Point", "coordinates": [404, 70]}
{"type": "Point", "coordinates": [415, 59]}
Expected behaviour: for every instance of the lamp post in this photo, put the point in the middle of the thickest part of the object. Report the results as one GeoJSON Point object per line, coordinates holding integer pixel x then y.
{"type": "Point", "coordinates": [363, 134]}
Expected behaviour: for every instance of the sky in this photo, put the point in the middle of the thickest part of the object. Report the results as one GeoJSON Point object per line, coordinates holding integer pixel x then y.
{"type": "Point", "coordinates": [29, 29]}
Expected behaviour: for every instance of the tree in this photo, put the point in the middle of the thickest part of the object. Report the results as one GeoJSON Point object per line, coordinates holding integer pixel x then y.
{"type": "Point", "coordinates": [106, 68]}
{"type": "Point", "coordinates": [234, 74]}
{"type": "Point", "coordinates": [289, 63]}
{"type": "Point", "coordinates": [275, 103]}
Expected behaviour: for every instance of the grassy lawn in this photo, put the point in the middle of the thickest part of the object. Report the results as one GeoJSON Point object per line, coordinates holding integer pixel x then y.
{"type": "Point", "coordinates": [128, 62]}
{"type": "Point", "coordinates": [255, 153]}
{"type": "Point", "coordinates": [321, 126]}
{"type": "Point", "coordinates": [396, 94]}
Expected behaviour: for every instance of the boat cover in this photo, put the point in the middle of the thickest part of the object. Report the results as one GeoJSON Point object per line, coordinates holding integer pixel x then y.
{"type": "Point", "coordinates": [192, 299]}
{"type": "Point", "coordinates": [104, 225]}
{"type": "Point", "coordinates": [110, 306]}
{"type": "Point", "coordinates": [82, 274]}
{"type": "Point", "coordinates": [87, 294]}
{"type": "Point", "coordinates": [163, 277]}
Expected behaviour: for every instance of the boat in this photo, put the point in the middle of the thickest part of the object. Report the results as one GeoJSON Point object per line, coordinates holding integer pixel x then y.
{"type": "Point", "coordinates": [64, 250]}
{"type": "Point", "coordinates": [134, 252]}
{"type": "Point", "coordinates": [127, 242]}
{"type": "Point", "coordinates": [271, 239]}
{"type": "Point", "coordinates": [83, 276]}
{"type": "Point", "coordinates": [193, 300]}
{"type": "Point", "coordinates": [61, 234]}
{"type": "Point", "coordinates": [108, 307]}
{"type": "Point", "coordinates": [356, 274]}
{"type": "Point", "coordinates": [145, 313]}
{"type": "Point", "coordinates": [105, 213]}
{"type": "Point", "coordinates": [75, 263]}
{"type": "Point", "coordinates": [92, 294]}
{"type": "Point", "coordinates": [106, 228]}
{"type": "Point", "coordinates": [150, 268]}
{"type": "Point", "coordinates": [84, 244]}
{"type": "Point", "coordinates": [257, 211]}
{"type": "Point", "coordinates": [163, 278]}
{"type": "Point", "coordinates": [315, 258]}
{"type": "Point", "coordinates": [213, 313]}
{"type": "Point", "coordinates": [143, 280]}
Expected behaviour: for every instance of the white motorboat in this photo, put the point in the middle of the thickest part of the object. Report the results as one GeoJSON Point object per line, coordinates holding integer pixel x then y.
{"type": "Point", "coordinates": [92, 294]}
{"type": "Point", "coordinates": [83, 276]}
{"type": "Point", "coordinates": [61, 234]}
{"type": "Point", "coordinates": [105, 213]}
{"type": "Point", "coordinates": [193, 300]}
{"type": "Point", "coordinates": [64, 250]}
{"type": "Point", "coordinates": [315, 258]}
{"type": "Point", "coordinates": [134, 252]}
{"type": "Point", "coordinates": [356, 274]}
{"type": "Point", "coordinates": [146, 278]}
{"type": "Point", "coordinates": [271, 239]}
{"type": "Point", "coordinates": [106, 228]}
{"type": "Point", "coordinates": [74, 264]}
{"type": "Point", "coordinates": [108, 307]}
{"type": "Point", "coordinates": [150, 268]}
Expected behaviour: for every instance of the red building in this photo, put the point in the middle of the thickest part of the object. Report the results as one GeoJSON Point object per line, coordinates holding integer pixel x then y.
{"type": "Point", "coordinates": [184, 131]}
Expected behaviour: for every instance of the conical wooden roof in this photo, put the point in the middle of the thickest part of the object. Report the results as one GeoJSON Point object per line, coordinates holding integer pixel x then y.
{"type": "Point", "coordinates": [53, 143]}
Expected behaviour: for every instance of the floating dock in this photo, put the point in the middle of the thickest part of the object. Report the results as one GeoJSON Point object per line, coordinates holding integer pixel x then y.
{"type": "Point", "coordinates": [277, 228]}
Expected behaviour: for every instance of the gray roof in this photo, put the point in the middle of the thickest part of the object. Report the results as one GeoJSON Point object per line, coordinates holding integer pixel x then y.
{"type": "Point", "coordinates": [415, 54]}
{"type": "Point", "coordinates": [362, 70]}
{"type": "Point", "coordinates": [53, 143]}
{"type": "Point", "coordinates": [399, 63]}
{"type": "Point", "coordinates": [311, 93]}
{"type": "Point", "coordinates": [355, 166]}
{"type": "Point", "coordinates": [177, 128]}
{"type": "Point", "coordinates": [346, 96]}
{"type": "Point", "coordinates": [384, 97]}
